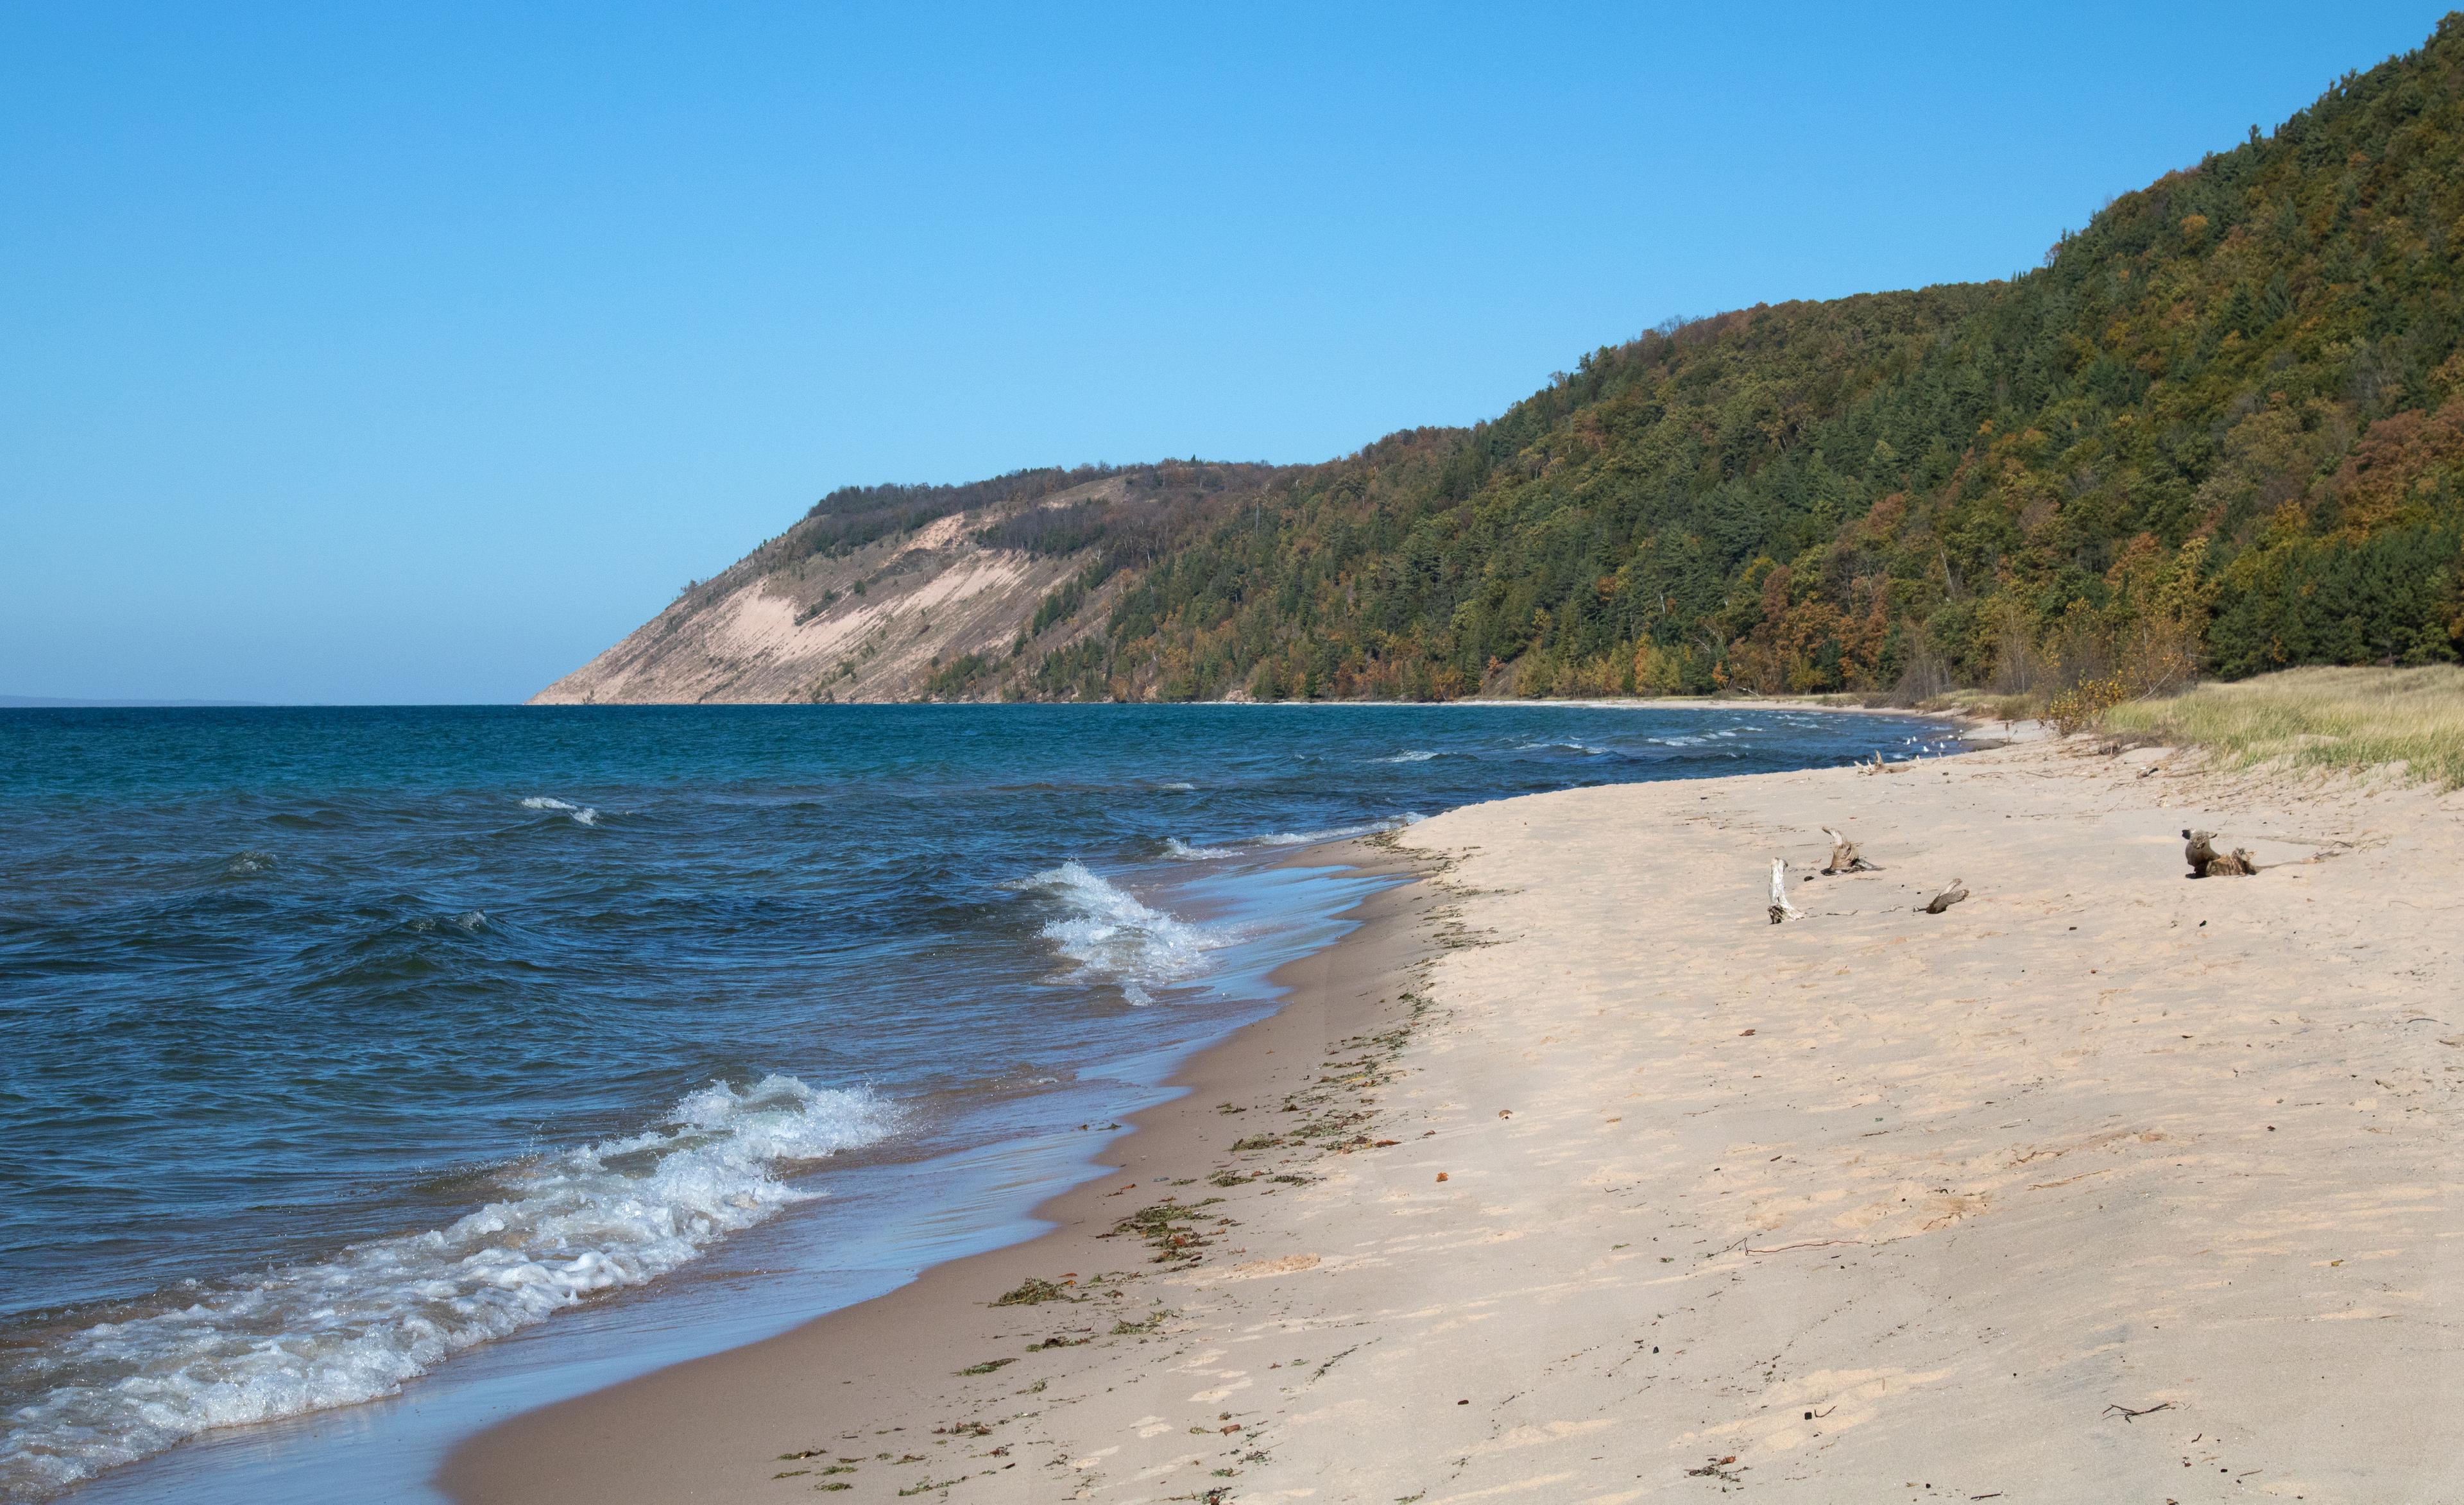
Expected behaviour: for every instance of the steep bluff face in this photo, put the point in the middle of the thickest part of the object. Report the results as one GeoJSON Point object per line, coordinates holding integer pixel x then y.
{"type": "Point", "coordinates": [876, 624]}
{"type": "Point", "coordinates": [898, 593]}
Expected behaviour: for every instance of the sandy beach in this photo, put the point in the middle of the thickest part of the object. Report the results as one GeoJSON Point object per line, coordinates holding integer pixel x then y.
{"type": "Point", "coordinates": [1569, 1177]}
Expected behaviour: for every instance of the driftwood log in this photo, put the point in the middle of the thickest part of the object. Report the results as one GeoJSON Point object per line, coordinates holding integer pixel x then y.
{"type": "Point", "coordinates": [1780, 907]}
{"type": "Point", "coordinates": [1844, 857]}
{"type": "Point", "coordinates": [1878, 766]}
{"type": "Point", "coordinates": [2206, 861]}
{"type": "Point", "coordinates": [1951, 894]}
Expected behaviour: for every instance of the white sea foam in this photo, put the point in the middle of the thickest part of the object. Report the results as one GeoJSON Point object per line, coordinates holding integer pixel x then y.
{"type": "Point", "coordinates": [1566, 747]}
{"type": "Point", "coordinates": [580, 815]}
{"type": "Point", "coordinates": [1114, 938]}
{"type": "Point", "coordinates": [1340, 833]}
{"type": "Point", "coordinates": [1188, 851]}
{"type": "Point", "coordinates": [357, 1324]}
{"type": "Point", "coordinates": [1179, 786]}
{"type": "Point", "coordinates": [1409, 755]}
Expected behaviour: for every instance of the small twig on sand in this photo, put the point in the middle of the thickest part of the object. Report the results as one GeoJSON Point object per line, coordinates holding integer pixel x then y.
{"type": "Point", "coordinates": [2127, 1414]}
{"type": "Point", "coordinates": [1810, 1243]}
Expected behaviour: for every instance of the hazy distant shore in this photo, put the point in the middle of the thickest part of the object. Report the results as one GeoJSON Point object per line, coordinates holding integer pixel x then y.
{"type": "Point", "coordinates": [58, 703]}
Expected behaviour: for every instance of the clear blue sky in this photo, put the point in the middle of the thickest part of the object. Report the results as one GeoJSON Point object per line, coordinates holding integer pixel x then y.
{"type": "Point", "coordinates": [415, 353]}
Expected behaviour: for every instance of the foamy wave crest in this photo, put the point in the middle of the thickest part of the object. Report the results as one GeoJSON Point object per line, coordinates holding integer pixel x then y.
{"type": "Point", "coordinates": [581, 815]}
{"type": "Point", "coordinates": [1113, 938]}
{"type": "Point", "coordinates": [1561, 747]}
{"type": "Point", "coordinates": [1189, 852]}
{"type": "Point", "coordinates": [1408, 756]}
{"type": "Point", "coordinates": [358, 1324]}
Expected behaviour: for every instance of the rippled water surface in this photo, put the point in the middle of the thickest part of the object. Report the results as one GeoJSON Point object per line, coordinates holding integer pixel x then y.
{"type": "Point", "coordinates": [336, 1041]}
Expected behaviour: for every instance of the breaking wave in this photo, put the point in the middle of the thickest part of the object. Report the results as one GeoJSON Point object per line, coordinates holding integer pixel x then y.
{"type": "Point", "coordinates": [581, 814]}
{"type": "Point", "coordinates": [356, 1325]}
{"type": "Point", "coordinates": [1190, 852]}
{"type": "Point", "coordinates": [1114, 938]}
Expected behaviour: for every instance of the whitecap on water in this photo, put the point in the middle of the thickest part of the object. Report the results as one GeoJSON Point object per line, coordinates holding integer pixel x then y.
{"type": "Point", "coordinates": [1190, 852]}
{"type": "Point", "coordinates": [1115, 938]}
{"type": "Point", "coordinates": [580, 815]}
{"type": "Point", "coordinates": [1408, 756]}
{"type": "Point", "coordinates": [357, 1324]}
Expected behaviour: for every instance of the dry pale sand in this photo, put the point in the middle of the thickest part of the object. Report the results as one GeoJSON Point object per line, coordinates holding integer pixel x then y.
{"type": "Point", "coordinates": [1873, 1204]}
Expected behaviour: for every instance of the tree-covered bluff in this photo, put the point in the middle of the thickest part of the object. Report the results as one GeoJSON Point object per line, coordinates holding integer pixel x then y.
{"type": "Point", "coordinates": [2219, 429]}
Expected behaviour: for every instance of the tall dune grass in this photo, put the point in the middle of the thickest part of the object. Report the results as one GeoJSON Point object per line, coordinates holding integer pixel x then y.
{"type": "Point", "coordinates": [2330, 719]}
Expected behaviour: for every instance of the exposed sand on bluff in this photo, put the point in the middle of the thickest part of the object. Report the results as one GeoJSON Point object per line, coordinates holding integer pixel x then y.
{"type": "Point", "coordinates": [876, 624]}
{"type": "Point", "coordinates": [2103, 1185]}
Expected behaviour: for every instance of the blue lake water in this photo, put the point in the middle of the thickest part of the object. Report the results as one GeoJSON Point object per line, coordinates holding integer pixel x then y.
{"type": "Point", "coordinates": [340, 1047]}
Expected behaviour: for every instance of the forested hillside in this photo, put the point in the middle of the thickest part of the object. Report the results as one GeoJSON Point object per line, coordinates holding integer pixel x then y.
{"type": "Point", "coordinates": [2218, 427]}
{"type": "Point", "coordinates": [2220, 431]}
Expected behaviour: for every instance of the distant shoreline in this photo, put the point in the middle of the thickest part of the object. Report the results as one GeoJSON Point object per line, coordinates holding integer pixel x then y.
{"type": "Point", "coordinates": [60, 703]}
{"type": "Point", "coordinates": [1608, 703]}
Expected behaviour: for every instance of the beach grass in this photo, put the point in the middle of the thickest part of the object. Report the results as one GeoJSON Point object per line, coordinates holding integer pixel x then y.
{"type": "Point", "coordinates": [1989, 705]}
{"type": "Point", "coordinates": [2342, 719]}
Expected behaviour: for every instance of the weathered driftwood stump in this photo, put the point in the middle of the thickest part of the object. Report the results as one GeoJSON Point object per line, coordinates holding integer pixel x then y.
{"type": "Point", "coordinates": [1844, 857]}
{"type": "Point", "coordinates": [2206, 861]}
{"type": "Point", "coordinates": [1780, 907]}
{"type": "Point", "coordinates": [1951, 894]}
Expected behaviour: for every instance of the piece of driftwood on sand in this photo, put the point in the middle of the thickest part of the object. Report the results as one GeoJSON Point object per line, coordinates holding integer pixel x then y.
{"type": "Point", "coordinates": [1845, 856]}
{"type": "Point", "coordinates": [2206, 861]}
{"type": "Point", "coordinates": [1780, 907]}
{"type": "Point", "coordinates": [1951, 893]}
